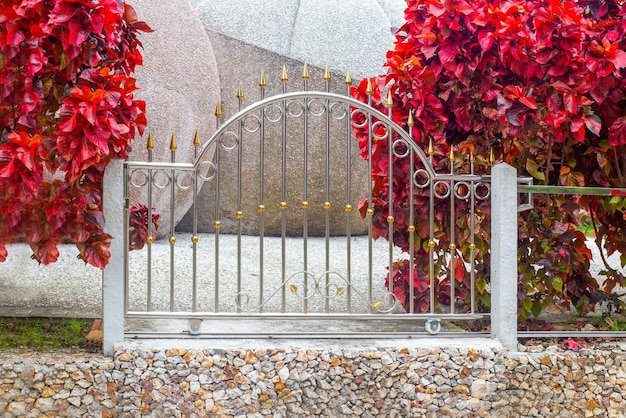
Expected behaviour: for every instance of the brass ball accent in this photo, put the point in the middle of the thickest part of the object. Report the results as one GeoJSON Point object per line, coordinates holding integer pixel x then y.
{"type": "Point", "coordinates": [390, 219]}
{"type": "Point", "coordinates": [326, 205]}
{"type": "Point", "coordinates": [431, 244]}
{"type": "Point", "coordinates": [472, 247]}
{"type": "Point", "coordinates": [452, 247]}
{"type": "Point", "coordinates": [283, 205]}
{"type": "Point", "coordinates": [149, 240]}
{"type": "Point", "coordinates": [217, 224]}
{"type": "Point", "coordinates": [370, 212]}
{"type": "Point", "coordinates": [348, 208]}
{"type": "Point", "coordinates": [172, 240]}
{"type": "Point", "coordinates": [305, 205]}
{"type": "Point", "coordinates": [194, 239]}
{"type": "Point", "coordinates": [411, 228]}
{"type": "Point", "coordinates": [261, 208]}
{"type": "Point", "coordinates": [239, 214]}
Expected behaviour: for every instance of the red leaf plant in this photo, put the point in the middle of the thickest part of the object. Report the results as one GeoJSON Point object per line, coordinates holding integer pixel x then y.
{"type": "Point", "coordinates": [66, 109]}
{"type": "Point", "coordinates": [542, 84]}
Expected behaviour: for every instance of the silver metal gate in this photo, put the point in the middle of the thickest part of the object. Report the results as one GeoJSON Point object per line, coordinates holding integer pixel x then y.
{"type": "Point", "coordinates": [287, 259]}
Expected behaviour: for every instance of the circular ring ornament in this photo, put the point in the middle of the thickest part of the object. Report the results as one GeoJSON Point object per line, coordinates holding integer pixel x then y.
{"type": "Point", "coordinates": [421, 178]}
{"type": "Point", "coordinates": [251, 123]}
{"type": "Point", "coordinates": [482, 190]}
{"type": "Point", "coordinates": [338, 110]}
{"type": "Point", "coordinates": [442, 189]}
{"type": "Point", "coordinates": [161, 179]}
{"type": "Point", "coordinates": [184, 180]}
{"type": "Point", "coordinates": [380, 126]}
{"type": "Point", "coordinates": [295, 108]}
{"type": "Point", "coordinates": [358, 113]}
{"type": "Point", "coordinates": [400, 148]}
{"type": "Point", "coordinates": [462, 190]}
{"type": "Point", "coordinates": [139, 178]}
{"type": "Point", "coordinates": [206, 170]}
{"type": "Point", "coordinates": [273, 113]}
{"type": "Point", "coordinates": [229, 140]}
{"type": "Point", "coordinates": [317, 107]}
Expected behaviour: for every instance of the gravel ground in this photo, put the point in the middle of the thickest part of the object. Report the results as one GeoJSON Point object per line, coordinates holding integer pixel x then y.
{"type": "Point", "coordinates": [71, 288]}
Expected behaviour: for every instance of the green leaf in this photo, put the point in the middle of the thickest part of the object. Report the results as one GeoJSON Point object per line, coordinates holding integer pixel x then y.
{"type": "Point", "coordinates": [481, 285]}
{"type": "Point", "coordinates": [528, 304]}
{"type": "Point", "coordinates": [533, 169]}
{"type": "Point", "coordinates": [537, 308]}
{"type": "Point", "coordinates": [557, 284]}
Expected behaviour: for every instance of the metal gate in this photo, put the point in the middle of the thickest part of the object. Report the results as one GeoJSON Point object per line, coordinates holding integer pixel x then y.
{"type": "Point", "coordinates": [288, 259]}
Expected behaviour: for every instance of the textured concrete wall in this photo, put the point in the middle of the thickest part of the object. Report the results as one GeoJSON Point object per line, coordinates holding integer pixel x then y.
{"type": "Point", "coordinates": [281, 382]}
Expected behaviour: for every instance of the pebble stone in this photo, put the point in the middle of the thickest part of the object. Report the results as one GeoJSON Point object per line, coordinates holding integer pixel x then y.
{"type": "Point", "coordinates": [284, 382]}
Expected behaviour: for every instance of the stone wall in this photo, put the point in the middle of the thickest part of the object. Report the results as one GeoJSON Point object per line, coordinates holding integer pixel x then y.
{"type": "Point", "coordinates": [329, 382]}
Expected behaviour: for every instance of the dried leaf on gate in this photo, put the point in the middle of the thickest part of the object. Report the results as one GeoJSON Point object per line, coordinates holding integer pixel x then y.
{"type": "Point", "coordinates": [377, 305]}
{"type": "Point", "coordinates": [293, 288]}
{"type": "Point", "coordinates": [341, 291]}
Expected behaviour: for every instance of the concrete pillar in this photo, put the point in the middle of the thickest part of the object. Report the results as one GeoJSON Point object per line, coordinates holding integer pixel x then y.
{"type": "Point", "coordinates": [113, 287]}
{"type": "Point", "coordinates": [504, 255]}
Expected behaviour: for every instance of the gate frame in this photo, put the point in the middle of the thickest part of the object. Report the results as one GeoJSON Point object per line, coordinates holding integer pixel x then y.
{"type": "Point", "coordinates": [503, 228]}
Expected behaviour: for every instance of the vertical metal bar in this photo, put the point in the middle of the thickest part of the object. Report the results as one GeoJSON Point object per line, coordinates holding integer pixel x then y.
{"type": "Point", "coordinates": [431, 233]}
{"type": "Point", "coordinates": [327, 186]}
{"type": "Point", "coordinates": [283, 202]}
{"type": "Point", "coordinates": [126, 240]}
{"type": "Point", "coordinates": [239, 187]}
{"type": "Point", "coordinates": [194, 236]}
{"type": "Point", "coordinates": [262, 85]}
{"type": "Point", "coordinates": [370, 209]}
{"type": "Point", "coordinates": [172, 224]}
{"type": "Point", "coordinates": [348, 197]}
{"type": "Point", "coordinates": [412, 277]}
{"type": "Point", "coordinates": [472, 246]}
{"type": "Point", "coordinates": [452, 235]}
{"type": "Point", "coordinates": [305, 202]}
{"type": "Point", "coordinates": [150, 147]}
{"type": "Point", "coordinates": [216, 222]}
{"type": "Point", "coordinates": [390, 218]}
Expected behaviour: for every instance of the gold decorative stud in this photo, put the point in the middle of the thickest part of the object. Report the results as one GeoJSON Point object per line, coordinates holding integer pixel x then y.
{"type": "Point", "coordinates": [411, 228]}
{"type": "Point", "coordinates": [431, 244]}
{"type": "Point", "coordinates": [217, 224]}
{"type": "Point", "coordinates": [172, 240]}
{"type": "Point", "coordinates": [390, 219]}
{"type": "Point", "coordinates": [283, 205]}
{"type": "Point", "coordinates": [472, 247]}
{"type": "Point", "coordinates": [326, 205]}
{"type": "Point", "coordinates": [149, 240]}
{"type": "Point", "coordinates": [452, 247]}
{"type": "Point", "coordinates": [239, 214]}
{"type": "Point", "coordinates": [261, 208]}
{"type": "Point", "coordinates": [195, 239]}
{"type": "Point", "coordinates": [370, 212]}
{"type": "Point", "coordinates": [305, 205]}
{"type": "Point", "coordinates": [348, 208]}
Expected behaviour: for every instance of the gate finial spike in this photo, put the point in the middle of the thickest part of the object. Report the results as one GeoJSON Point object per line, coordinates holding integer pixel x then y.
{"type": "Point", "coordinates": [389, 99]}
{"type": "Point", "coordinates": [370, 89]}
{"type": "Point", "coordinates": [284, 77]}
{"type": "Point", "coordinates": [492, 159]}
{"type": "Point", "coordinates": [305, 72]}
{"type": "Point", "coordinates": [150, 145]}
{"type": "Point", "coordinates": [262, 84]}
{"type": "Point", "coordinates": [348, 78]}
{"type": "Point", "coordinates": [240, 92]}
{"type": "Point", "coordinates": [173, 143]}
{"type": "Point", "coordinates": [451, 154]}
{"type": "Point", "coordinates": [196, 139]}
{"type": "Point", "coordinates": [410, 122]}
{"type": "Point", "coordinates": [218, 110]}
{"type": "Point", "coordinates": [326, 74]}
{"type": "Point", "coordinates": [431, 149]}
{"type": "Point", "coordinates": [472, 158]}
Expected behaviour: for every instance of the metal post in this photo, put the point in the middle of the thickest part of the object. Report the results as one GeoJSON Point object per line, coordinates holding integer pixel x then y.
{"type": "Point", "coordinates": [504, 255]}
{"type": "Point", "coordinates": [113, 286]}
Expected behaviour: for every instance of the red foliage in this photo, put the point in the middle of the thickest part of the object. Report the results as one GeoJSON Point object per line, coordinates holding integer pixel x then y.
{"type": "Point", "coordinates": [541, 82]}
{"type": "Point", "coordinates": [66, 109]}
